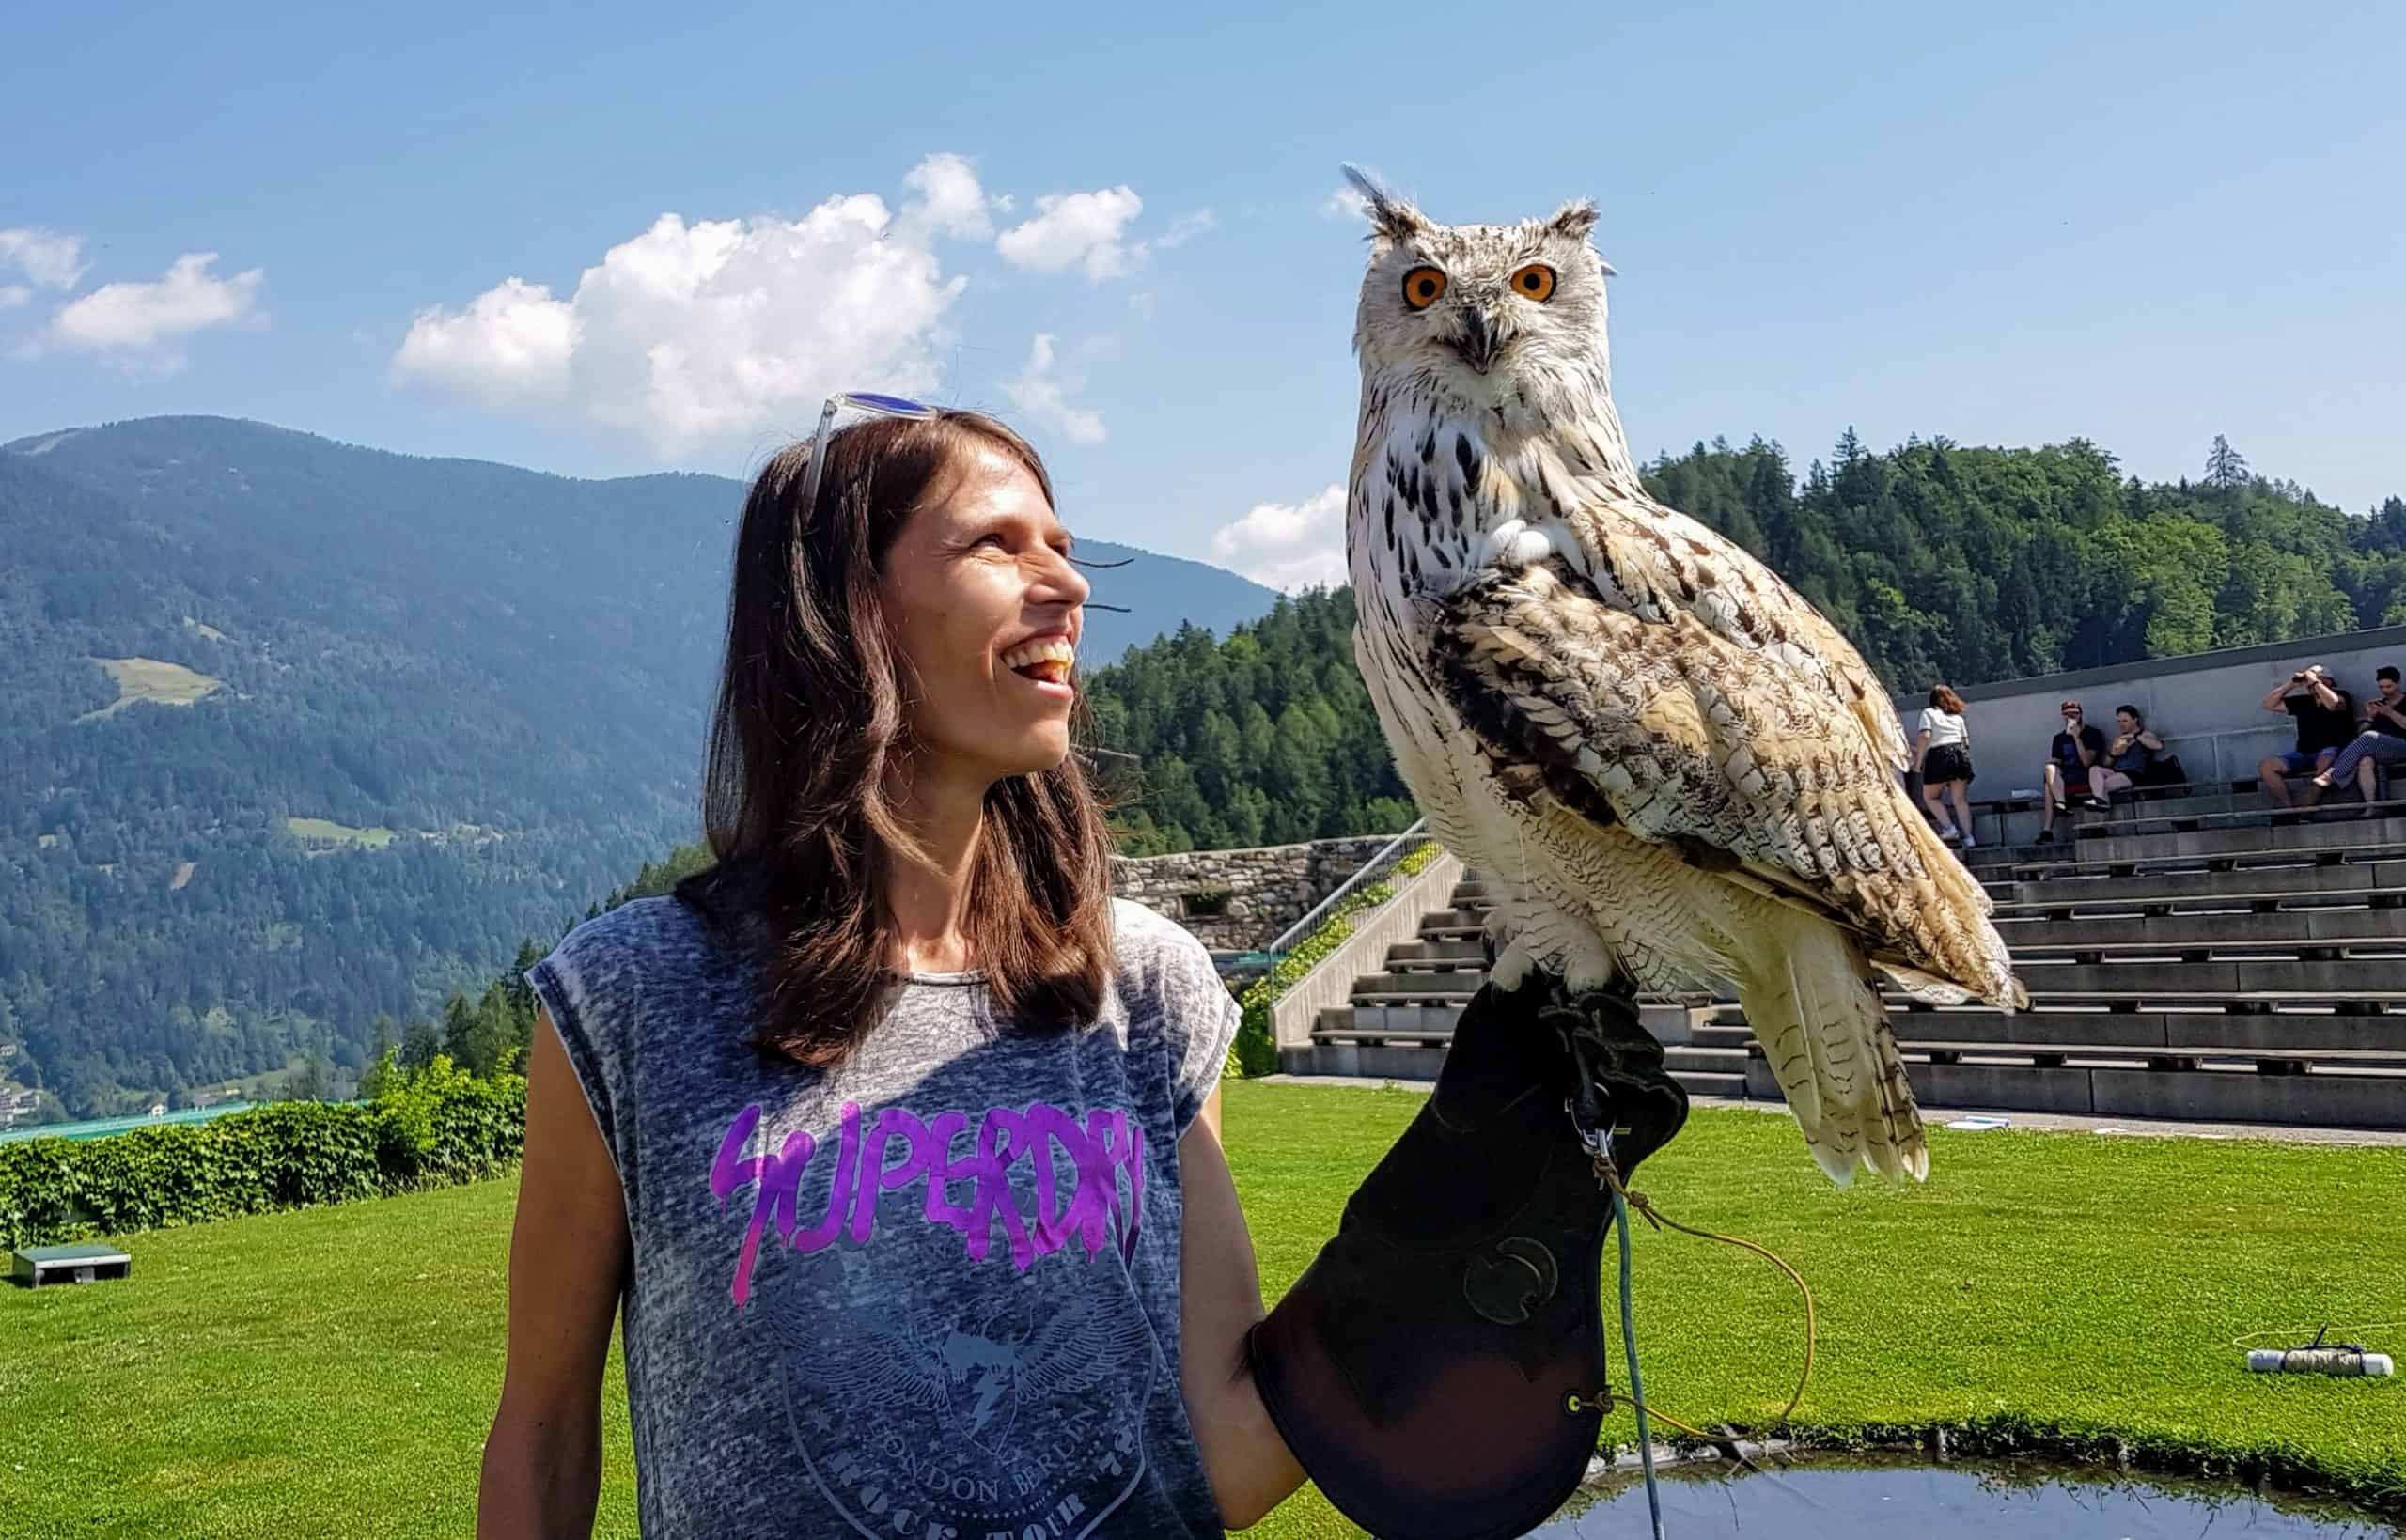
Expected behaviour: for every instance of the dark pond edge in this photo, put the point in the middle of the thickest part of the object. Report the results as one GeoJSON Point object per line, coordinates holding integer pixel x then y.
{"type": "Point", "coordinates": [2272, 1466]}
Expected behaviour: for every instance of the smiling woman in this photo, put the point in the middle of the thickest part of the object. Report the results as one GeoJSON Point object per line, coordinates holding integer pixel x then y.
{"type": "Point", "coordinates": [895, 1136]}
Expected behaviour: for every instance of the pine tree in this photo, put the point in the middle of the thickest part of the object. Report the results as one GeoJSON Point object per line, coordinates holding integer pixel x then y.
{"type": "Point", "coordinates": [2226, 467]}
{"type": "Point", "coordinates": [420, 1043]}
{"type": "Point", "coordinates": [382, 1059]}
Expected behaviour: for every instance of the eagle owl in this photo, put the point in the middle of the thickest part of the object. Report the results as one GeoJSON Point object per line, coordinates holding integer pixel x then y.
{"type": "Point", "coordinates": [1676, 773]}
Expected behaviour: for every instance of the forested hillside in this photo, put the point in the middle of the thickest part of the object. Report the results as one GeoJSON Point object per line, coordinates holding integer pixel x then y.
{"type": "Point", "coordinates": [1946, 563]}
{"type": "Point", "coordinates": [1262, 739]}
{"type": "Point", "coordinates": [293, 733]}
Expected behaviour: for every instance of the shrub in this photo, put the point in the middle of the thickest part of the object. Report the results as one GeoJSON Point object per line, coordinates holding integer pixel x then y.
{"type": "Point", "coordinates": [427, 1128]}
{"type": "Point", "coordinates": [1256, 1048]}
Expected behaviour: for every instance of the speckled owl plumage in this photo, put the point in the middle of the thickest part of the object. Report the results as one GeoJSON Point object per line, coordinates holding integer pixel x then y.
{"type": "Point", "coordinates": [1673, 770]}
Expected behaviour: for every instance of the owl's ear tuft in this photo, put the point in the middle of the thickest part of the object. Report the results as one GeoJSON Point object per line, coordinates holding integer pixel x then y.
{"type": "Point", "coordinates": [1390, 216]}
{"type": "Point", "coordinates": [1574, 218]}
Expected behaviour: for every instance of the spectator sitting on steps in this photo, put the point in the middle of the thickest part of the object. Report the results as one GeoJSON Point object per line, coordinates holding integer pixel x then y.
{"type": "Point", "coordinates": [2381, 742]}
{"type": "Point", "coordinates": [2128, 758]}
{"type": "Point", "coordinates": [2068, 758]}
{"type": "Point", "coordinates": [2326, 723]}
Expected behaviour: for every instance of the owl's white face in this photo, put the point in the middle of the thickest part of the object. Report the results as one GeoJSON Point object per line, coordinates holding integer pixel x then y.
{"type": "Point", "coordinates": [1507, 318]}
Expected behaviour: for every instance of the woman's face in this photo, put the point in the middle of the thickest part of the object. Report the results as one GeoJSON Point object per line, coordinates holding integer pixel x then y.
{"type": "Point", "coordinates": [2127, 723]}
{"type": "Point", "coordinates": [987, 611]}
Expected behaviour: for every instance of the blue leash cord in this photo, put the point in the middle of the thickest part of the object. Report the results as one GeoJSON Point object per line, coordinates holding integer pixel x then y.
{"type": "Point", "coordinates": [1628, 1345]}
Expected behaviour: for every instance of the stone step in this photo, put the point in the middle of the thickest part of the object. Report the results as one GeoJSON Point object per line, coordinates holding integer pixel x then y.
{"type": "Point", "coordinates": [2251, 810]}
{"type": "Point", "coordinates": [2349, 838]}
{"type": "Point", "coordinates": [2356, 881]}
{"type": "Point", "coordinates": [1667, 1020]}
{"type": "Point", "coordinates": [1454, 924]}
{"type": "Point", "coordinates": [1437, 952]}
{"type": "Point", "coordinates": [2225, 980]}
{"type": "Point", "coordinates": [2203, 1032]}
{"type": "Point", "coordinates": [2292, 930]}
{"type": "Point", "coordinates": [1421, 1063]}
{"type": "Point", "coordinates": [2283, 979]}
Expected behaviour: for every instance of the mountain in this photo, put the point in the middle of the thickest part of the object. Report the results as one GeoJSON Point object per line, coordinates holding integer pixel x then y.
{"type": "Point", "coordinates": [298, 732]}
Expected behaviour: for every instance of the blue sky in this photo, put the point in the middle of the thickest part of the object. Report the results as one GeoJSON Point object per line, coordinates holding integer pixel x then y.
{"type": "Point", "coordinates": [2175, 221]}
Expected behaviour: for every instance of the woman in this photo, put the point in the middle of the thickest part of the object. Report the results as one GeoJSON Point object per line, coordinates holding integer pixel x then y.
{"type": "Point", "coordinates": [2382, 744]}
{"type": "Point", "coordinates": [896, 1138]}
{"type": "Point", "coordinates": [2128, 758]}
{"type": "Point", "coordinates": [1943, 753]}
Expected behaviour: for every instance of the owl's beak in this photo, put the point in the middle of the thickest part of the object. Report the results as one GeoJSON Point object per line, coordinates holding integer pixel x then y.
{"type": "Point", "coordinates": [1478, 341]}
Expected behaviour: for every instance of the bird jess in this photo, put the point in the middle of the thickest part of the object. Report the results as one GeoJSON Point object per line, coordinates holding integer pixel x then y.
{"type": "Point", "coordinates": [1678, 775]}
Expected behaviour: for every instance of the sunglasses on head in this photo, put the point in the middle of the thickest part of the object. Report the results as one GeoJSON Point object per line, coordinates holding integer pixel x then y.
{"type": "Point", "coordinates": [2070, 709]}
{"type": "Point", "coordinates": [859, 400]}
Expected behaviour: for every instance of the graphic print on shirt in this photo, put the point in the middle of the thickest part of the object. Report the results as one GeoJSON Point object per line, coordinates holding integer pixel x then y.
{"type": "Point", "coordinates": [1009, 1408]}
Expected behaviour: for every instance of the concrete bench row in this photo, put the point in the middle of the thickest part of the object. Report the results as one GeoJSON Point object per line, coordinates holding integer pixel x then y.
{"type": "Point", "coordinates": [2229, 970]}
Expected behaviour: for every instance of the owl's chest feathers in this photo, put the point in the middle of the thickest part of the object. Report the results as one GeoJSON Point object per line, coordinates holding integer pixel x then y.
{"type": "Point", "coordinates": [1435, 509]}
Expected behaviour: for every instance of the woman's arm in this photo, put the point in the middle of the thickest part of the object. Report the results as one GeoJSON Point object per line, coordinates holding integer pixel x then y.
{"type": "Point", "coordinates": [1921, 747]}
{"type": "Point", "coordinates": [2150, 741]}
{"type": "Point", "coordinates": [567, 1265]}
{"type": "Point", "coordinates": [1249, 1467]}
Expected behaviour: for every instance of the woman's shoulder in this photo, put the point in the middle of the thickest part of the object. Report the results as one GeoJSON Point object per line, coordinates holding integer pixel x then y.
{"type": "Point", "coordinates": [1147, 944]}
{"type": "Point", "coordinates": [639, 925]}
{"type": "Point", "coordinates": [642, 938]}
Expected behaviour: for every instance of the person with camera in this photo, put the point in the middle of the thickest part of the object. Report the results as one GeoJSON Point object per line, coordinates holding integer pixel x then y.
{"type": "Point", "coordinates": [2381, 742]}
{"type": "Point", "coordinates": [2326, 722]}
{"type": "Point", "coordinates": [2068, 758]}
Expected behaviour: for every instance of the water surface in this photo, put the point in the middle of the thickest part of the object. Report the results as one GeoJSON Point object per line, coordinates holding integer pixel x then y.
{"type": "Point", "coordinates": [1848, 1497]}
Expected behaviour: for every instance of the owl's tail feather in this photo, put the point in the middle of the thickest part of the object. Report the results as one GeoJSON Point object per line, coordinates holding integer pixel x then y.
{"type": "Point", "coordinates": [1826, 1036]}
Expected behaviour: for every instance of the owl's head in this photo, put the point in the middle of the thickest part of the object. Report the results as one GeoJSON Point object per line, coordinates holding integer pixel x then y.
{"type": "Point", "coordinates": [1486, 313]}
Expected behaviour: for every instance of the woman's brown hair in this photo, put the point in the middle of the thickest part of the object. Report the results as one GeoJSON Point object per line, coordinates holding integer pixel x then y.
{"type": "Point", "coordinates": [805, 740]}
{"type": "Point", "coordinates": [1945, 699]}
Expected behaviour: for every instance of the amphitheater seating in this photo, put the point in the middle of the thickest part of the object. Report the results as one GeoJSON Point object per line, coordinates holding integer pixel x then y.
{"type": "Point", "coordinates": [2194, 955]}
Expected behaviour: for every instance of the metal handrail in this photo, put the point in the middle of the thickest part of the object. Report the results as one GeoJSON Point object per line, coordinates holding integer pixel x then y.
{"type": "Point", "coordinates": [1276, 950]}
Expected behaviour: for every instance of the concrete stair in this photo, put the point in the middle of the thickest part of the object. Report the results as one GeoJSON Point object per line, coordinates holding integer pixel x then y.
{"type": "Point", "coordinates": [2192, 959]}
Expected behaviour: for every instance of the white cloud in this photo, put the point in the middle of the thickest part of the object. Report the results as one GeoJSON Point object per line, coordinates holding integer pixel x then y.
{"type": "Point", "coordinates": [135, 317]}
{"type": "Point", "coordinates": [950, 200]}
{"type": "Point", "coordinates": [13, 295]}
{"type": "Point", "coordinates": [513, 340]}
{"type": "Point", "coordinates": [1184, 229]}
{"type": "Point", "coordinates": [47, 258]}
{"type": "Point", "coordinates": [694, 334]}
{"type": "Point", "coordinates": [1289, 545]}
{"type": "Point", "coordinates": [1074, 229]}
{"type": "Point", "coordinates": [1036, 392]}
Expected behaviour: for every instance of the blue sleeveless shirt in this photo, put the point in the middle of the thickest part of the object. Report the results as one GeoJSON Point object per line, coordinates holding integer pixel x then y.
{"type": "Point", "coordinates": [931, 1295]}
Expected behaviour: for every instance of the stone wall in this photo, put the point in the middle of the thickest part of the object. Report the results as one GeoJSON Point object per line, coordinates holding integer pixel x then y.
{"type": "Point", "coordinates": [1237, 901]}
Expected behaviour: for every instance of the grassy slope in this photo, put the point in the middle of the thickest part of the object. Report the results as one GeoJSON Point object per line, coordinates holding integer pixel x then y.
{"type": "Point", "coordinates": [330, 1373]}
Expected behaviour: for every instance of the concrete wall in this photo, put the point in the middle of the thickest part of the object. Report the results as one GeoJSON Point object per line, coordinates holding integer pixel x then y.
{"type": "Point", "coordinates": [1258, 893]}
{"type": "Point", "coordinates": [2207, 706]}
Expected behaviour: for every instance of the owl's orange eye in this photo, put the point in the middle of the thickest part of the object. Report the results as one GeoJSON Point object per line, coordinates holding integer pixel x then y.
{"type": "Point", "coordinates": [1534, 282]}
{"type": "Point", "coordinates": [1422, 286]}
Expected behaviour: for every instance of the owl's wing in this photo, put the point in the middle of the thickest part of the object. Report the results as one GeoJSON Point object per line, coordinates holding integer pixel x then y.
{"type": "Point", "coordinates": [1753, 762]}
{"type": "Point", "coordinates": [1656, 562]}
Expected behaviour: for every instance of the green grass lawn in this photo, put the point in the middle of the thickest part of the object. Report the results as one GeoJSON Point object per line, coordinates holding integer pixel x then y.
{"type": "Point", "coordinates": [330, 1372]}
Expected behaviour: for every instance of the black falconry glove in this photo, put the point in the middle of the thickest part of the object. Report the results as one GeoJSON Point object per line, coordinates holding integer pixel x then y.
{"type": "Point", "coordinates": [1439, 1370]}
